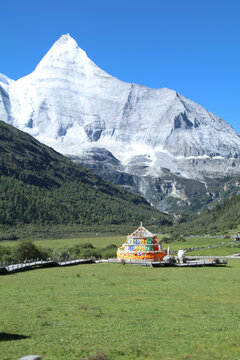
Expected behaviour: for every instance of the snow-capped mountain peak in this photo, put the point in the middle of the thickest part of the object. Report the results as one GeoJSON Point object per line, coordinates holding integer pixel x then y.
{"type": "Point", "coordinates": [65, 49]}
{"type": "Point", "coordinates": [71, 100]}
{"type": "Point", "coordinates": [69, 103]}
{"type": "Point", "coordinates": [66, 55]}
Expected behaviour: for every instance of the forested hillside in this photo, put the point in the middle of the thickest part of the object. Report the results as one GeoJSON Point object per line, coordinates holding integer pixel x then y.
{"type": "Point", "coordinates": [40, 186]}
{"type": "Point", "coordinates": [223, 217]}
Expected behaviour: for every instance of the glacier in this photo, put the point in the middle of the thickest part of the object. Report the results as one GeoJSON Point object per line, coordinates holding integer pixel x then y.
{"type": "Point", "coordinates": [141, 134]}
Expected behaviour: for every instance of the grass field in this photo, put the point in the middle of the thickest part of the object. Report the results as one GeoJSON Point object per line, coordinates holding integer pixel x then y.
{"type": "Point", "coordinates": [221, 251]}
{"type": "Point", "coordinates": [100, 241]}
{"type": "Point", "coordinates": [96, 241]}
{"type": "Point", "coordinates": [114, 311]}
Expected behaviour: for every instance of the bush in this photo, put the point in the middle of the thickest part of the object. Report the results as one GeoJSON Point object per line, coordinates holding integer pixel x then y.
{"type": "Point", "coordinates": [166, 239]}
{"type": "Point", "coordinates": [90, 253]}
{"type": "Point", "coordinates": [6, 254]}
{"type": "Point", "coordinates": [109, 253]}
{"type": "Point", "coordinates": [26, 250]}
{"type": "Point", "coordinates": [111, 246]}
{"type": "Point", "coordinates": [87, 246]}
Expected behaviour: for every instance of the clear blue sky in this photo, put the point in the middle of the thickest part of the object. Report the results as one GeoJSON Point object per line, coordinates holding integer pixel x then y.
{"type": "Point", "coordinates": [191, 46]}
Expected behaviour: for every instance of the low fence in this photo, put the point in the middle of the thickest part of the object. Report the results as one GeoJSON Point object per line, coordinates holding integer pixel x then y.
{"type": "Point", "coordinates": [33, 264]}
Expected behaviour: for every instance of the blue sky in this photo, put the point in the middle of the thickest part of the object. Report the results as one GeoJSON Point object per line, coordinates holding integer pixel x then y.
{"type": "Point", "coordinates": [192, 46]}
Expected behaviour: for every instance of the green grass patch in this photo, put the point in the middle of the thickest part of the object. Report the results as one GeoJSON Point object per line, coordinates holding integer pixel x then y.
{"type": "Point", "coordinates": [110, 311]}
{"type": "Point", "coordinates": [221, 251]}
{"type": "Point", "coordinates": [197, 241]}
{"type": "Point", "coordinates": [97, 241]}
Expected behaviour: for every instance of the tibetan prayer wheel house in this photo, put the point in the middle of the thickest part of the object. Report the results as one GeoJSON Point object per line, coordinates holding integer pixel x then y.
{"type": "Point", "coordinates": [141, 245]}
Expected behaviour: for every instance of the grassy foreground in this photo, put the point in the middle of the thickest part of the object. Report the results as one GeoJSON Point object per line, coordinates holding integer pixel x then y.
{"type": "Point", "coordinates": [113, 311]}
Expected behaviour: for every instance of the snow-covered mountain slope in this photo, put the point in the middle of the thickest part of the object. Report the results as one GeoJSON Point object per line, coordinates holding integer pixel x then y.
{"type": "Point", "coordinates": [4, 97]}
{"type": "Point", "coordinates": [72, 105]}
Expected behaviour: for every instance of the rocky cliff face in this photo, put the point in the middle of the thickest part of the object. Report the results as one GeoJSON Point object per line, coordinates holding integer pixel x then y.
{"type": "Point", "coordinates": [153, 141]}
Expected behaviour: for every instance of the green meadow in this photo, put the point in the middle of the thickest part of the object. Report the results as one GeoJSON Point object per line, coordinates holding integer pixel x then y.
{"type": "Point", "coordinates": [115, 311]}
{"type": "Point", "coordinates": [220, 251]}
{"type": "Point", "coordinates": [101, 241]}
{"type": "Point", "coordinates": [96, 240]}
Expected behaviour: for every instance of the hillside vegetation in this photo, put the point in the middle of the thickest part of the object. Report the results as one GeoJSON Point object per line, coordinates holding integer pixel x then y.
{"type": "Point", "coordinates": [40, 186]}
{"type": "Point", "coordinates": [223, 217]}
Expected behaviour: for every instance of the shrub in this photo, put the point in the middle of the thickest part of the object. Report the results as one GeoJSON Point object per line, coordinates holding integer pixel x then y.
{"type": "Point", "coordinates": [26, 250]}
{"type": "Point", "coordinates": [166, 239]}
{"type": "Point", "coordinates": [90, 253]}
{"type": "Point", "coordinates": [111, 246]}
{"type": "Point", "coordinates": [87, 246]}
{"type": "Point", "coordinates": [109, 253]}
{"type": "Point", "coordinates": [6, 254]}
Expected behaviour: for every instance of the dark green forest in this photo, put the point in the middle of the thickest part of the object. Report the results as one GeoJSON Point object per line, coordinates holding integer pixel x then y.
{"type": "Point", "coordinates": [40, 186]}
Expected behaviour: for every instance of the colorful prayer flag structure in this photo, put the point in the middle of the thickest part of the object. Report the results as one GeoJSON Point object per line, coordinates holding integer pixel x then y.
{"type": "Point", "coordinates": [141, 245]}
